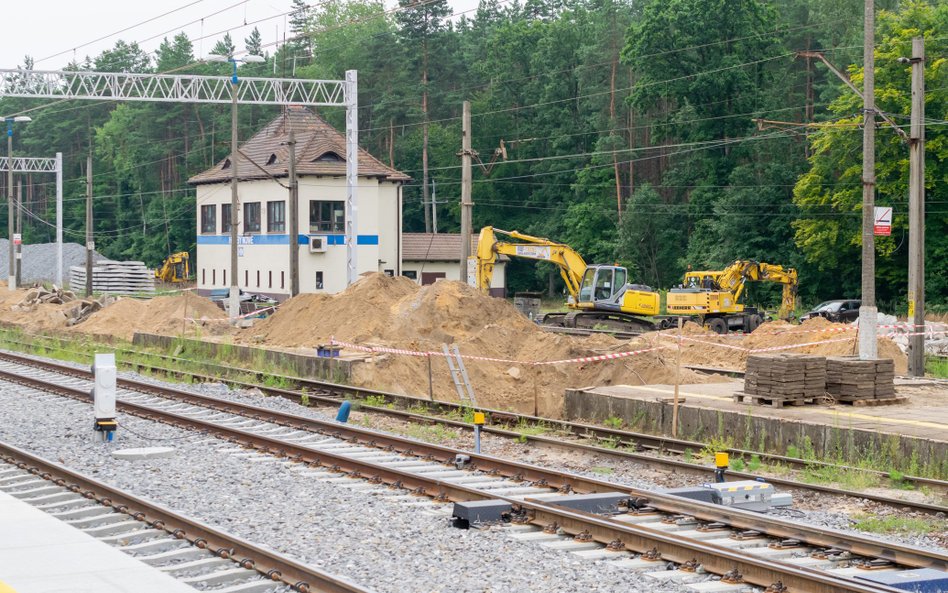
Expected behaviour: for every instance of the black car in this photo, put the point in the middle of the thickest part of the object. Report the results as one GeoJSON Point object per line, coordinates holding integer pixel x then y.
{"type": "Point", "coordinates": [840, 311]}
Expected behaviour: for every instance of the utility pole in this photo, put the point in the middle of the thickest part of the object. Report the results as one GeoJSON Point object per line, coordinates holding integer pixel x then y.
{"type": "Point", "coordinates": [434, 207]}
{"type": "Point", "coordinates": [11, 279]}
{"type": "Point", "coordinates": [466, 204]}
{"type": "Point", "coordinates": [916, 288]}
{"type": "Point", "coordinates": [19, 231]}
{"type": "Point", "coordinates": [90, 244]}
{"type": "Point", "coordinates": [294, 228]}
{"type": "Point", "coordinates": [868, 314]}
{"type": "Point", "coordinates": [233, 301]}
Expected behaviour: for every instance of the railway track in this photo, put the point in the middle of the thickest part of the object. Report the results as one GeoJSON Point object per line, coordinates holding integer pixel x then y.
{"type": "Point", "coordinates": [194, 553]}
{"type": "Point", "coordinates": [650, 450]}
{"type": "Point", "coordinates": [740, 546]}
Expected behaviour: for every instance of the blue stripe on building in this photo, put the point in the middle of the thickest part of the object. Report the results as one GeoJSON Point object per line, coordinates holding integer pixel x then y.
{"type": "Point", "coordinates": [283, 239]}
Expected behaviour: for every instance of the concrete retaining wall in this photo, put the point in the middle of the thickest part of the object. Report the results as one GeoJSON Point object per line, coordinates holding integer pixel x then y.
{"type": "Point", "coordinates": [300, 365]}
{"type": "Point", "coordinates": [747, 431]}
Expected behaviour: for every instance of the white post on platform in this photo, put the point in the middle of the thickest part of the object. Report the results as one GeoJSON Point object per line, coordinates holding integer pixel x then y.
{"type": "Point", "coordinates": [352, 174]}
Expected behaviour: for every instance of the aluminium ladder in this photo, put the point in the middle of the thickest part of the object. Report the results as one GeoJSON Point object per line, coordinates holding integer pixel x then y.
{"type": "Point", "coordinates": [459, 375]}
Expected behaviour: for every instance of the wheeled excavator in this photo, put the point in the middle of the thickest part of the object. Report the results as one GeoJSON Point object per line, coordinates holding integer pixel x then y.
{"type": "Point", "coordinates": [601, 295]}
{"type": "Point", "coordinates": [713, 296]}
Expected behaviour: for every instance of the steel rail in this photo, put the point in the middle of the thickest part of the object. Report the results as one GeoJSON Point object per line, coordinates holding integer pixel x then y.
{"type": "Point", "coordinates": [275, 566]}
{"type": "Point", "coordinates": [636, 538]}
{"type": "Point", "coordinates": [578, 429]}
{"type": "Point", "coordinates": [581, 430]}
{"type": "Point", "coordinates": [737, 518]}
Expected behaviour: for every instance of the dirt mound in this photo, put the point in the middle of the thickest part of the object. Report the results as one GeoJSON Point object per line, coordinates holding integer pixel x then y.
{"type": "Point", "coordinates": [361, 313]}
{"type": "Point", "coordinates": [397, 313]}
{"type": "Point", "coordinates": [160, 315]}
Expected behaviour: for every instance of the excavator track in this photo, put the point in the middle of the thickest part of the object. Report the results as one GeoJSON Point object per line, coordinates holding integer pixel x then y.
{"type": "Point", "coordinates": [607, 320]}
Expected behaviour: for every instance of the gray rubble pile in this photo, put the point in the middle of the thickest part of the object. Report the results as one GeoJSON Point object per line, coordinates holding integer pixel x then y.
{"type": "Point", "coordinates": [36, 296]}
{"type": "Point", "coordinates": [39, 260]}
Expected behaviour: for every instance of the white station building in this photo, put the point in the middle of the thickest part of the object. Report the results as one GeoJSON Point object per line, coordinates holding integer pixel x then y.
{"type": "Point", "coordinates": [264, 239]}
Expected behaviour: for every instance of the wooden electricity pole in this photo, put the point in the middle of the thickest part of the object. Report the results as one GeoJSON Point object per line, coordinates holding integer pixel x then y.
{"type": "Point", "coordinates": [916, 274]}
{"type": "Point", "coordinates": [294, 223]}
{"type": "Point", "coordinates": [868, 314]}
{"type": "Point", "coordinates": [90, 245]}
{"type": "Point", "coordinates": [466, 204]}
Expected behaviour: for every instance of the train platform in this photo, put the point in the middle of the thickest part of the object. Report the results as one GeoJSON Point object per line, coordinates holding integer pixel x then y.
{"type": "Point", "coordinates": [919, 426]}
{"type": "Point", "coordinates": [41, 554]}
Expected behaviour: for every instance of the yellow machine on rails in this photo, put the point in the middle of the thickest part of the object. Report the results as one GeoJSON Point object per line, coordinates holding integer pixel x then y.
{"type": "Point", "coordinates": [600, 294]}
{"type": "Point", "coordinates": [176, 268]}
{"type": "Point", "coordinates": [713, 296]}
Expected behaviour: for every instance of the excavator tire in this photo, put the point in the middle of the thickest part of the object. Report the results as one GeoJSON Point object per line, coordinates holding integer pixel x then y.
{"type": "Point", "coordinates": [717, 325]}
{"type": "Point", "coordinates": [753, 322]}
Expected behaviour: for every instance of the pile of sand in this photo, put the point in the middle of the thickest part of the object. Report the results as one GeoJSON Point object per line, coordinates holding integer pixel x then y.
{"type": "Point", "coordinates": [161, 315]}
{"type": "Point", "coordinates": [396, 312]}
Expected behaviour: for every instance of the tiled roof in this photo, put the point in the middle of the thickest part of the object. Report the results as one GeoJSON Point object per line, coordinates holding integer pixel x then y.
{"type": "Point", "coordinates": [435, 247]}
{"type": "Point", "coordinates": [320, 150]}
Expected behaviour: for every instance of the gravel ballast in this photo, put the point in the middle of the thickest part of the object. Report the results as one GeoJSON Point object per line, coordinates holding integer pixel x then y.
{"type": "Point", "coordinates": [382, 538]}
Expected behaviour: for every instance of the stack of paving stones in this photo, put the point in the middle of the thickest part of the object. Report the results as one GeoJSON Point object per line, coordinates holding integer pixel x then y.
{"type": "Point", "coordinates": [783, 379]}
{"type": "Point", "coordinates": [860, 382]}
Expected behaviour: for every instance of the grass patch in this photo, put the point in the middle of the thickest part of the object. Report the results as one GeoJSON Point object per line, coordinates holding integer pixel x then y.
{"type": "Point", "coordinates": [432, 433]}
{"type": "Point", "coordinates": [602, 470]}
{"type": "Point", "coordinates": [894, 524]}
{"type": "Point", "coordinates": [613, 422]}
{"type": "Point", "coordinates": [936, 366]}
{"type": "Point", "coordinates": [850, 479]}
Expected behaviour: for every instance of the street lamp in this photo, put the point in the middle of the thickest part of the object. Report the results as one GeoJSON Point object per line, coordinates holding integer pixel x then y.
{"type": "Point", "coordinates": [11, 281]}
{"type": "Point", "coordinates": [234, 300]}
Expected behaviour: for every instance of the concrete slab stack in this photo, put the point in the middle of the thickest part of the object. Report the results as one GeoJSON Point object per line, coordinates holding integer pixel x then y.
{"type": "Point", "coordinates": [785, 378]}
{"type": "Point", "coordinates": [860, 382]}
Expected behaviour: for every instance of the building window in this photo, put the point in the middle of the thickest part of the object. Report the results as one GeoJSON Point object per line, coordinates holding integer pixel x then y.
{"type": "Point", "coordinates": [214, 277]}
{"type": "Point", "coordinates": [225, 218]}
{"type": "Point", "coordinates": [319, 280]}
{"type": "Point", "coordinates": [209, 219]}
{"type": "Point", "coordinates": [390, 273]}
{"type": "Point", "coordinates": [258, 278]}
{"type": "Point", "coordinates": [252, 217]}
{"type": "Point", "coordinates": [247, 278]}
{"type": "Point", "coordinates": [282, 280]}
{"type": "Point", "coordinates": [270, 278]}
{"type": "Point", "coordinates": [225, 277]}
{"type": "Point", "coordinates": [203, 276]}
{"type": "Point", "coordinates": [327, 217]}
{"type": "Point", "coordinates": [276, 217]}
{"type": "Point", "coordinates": [410, 274]}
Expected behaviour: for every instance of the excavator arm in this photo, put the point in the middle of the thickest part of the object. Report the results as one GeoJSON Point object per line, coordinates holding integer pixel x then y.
{"type": "Point", "coordinates": [571, 264]}
{"type": "Point", "coordinates": [737, 273]}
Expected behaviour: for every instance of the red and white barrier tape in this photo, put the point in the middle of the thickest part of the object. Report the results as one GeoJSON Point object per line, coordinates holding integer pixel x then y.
{"type": "Point", "coordinates": [419, 353]}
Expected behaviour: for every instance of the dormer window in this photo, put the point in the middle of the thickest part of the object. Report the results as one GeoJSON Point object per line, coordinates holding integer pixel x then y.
{"type": "Point", "coordinates": [329, 157]}
{"type": "Point", "coordinates": [272, 159]}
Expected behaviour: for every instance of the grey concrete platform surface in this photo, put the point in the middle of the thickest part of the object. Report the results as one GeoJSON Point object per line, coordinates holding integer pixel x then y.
{"type": "Point", "coordinates": [41, 554]}
{"type": "Point", "coordinates": [919, 426]}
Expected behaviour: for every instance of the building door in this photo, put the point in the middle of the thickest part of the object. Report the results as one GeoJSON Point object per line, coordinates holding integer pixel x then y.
{"type": "Point", "coordinates": [430, 277]}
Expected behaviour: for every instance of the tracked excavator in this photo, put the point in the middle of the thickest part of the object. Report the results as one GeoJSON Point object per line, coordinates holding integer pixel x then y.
{"type": "Point", "coordinates": [600, 295]}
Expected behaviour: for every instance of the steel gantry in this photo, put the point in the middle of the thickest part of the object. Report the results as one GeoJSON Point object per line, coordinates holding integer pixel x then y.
{"type": "Point", "coordinates": [189, 88]}
{"type": "Point", "coordinates": [23, 164]}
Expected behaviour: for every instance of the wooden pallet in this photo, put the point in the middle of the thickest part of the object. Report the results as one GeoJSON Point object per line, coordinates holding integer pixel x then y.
{"type": "Point", "coordinates": [875, 401]}
{"type": "Point", "coordinates": [775, 402]}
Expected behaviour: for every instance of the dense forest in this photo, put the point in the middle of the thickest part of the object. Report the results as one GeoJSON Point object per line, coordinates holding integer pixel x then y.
{"type": "Point", "coordinates": [658, 133]}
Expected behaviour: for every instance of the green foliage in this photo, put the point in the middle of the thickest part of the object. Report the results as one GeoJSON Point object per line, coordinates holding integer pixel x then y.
{"type": "Point", "coordinates": [613, 422]}
{"type": "Point", "coordinates": [895, 524]}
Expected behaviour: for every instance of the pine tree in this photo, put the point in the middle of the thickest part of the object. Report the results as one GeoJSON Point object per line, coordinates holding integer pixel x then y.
{"type": "Point", "coordinates": [254, 43]}
{"type": "Point", "coordinates": [224, 46]}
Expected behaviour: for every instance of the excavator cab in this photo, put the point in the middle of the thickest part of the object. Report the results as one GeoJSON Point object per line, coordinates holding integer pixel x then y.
{"type": "Point", "coordinates": [606, 288]}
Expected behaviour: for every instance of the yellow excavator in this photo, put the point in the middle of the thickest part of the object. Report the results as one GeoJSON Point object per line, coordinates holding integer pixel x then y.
{"type": "Point", "coordinates": [712, 297]}
{"type": "Point", "coordinates": [176, 268]}
{"type": "Point", "coordinates": [600, 294]}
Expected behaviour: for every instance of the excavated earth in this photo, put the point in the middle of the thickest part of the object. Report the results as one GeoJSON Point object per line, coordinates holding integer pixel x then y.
{"type": "Point", "coordinates": [397, 313]}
